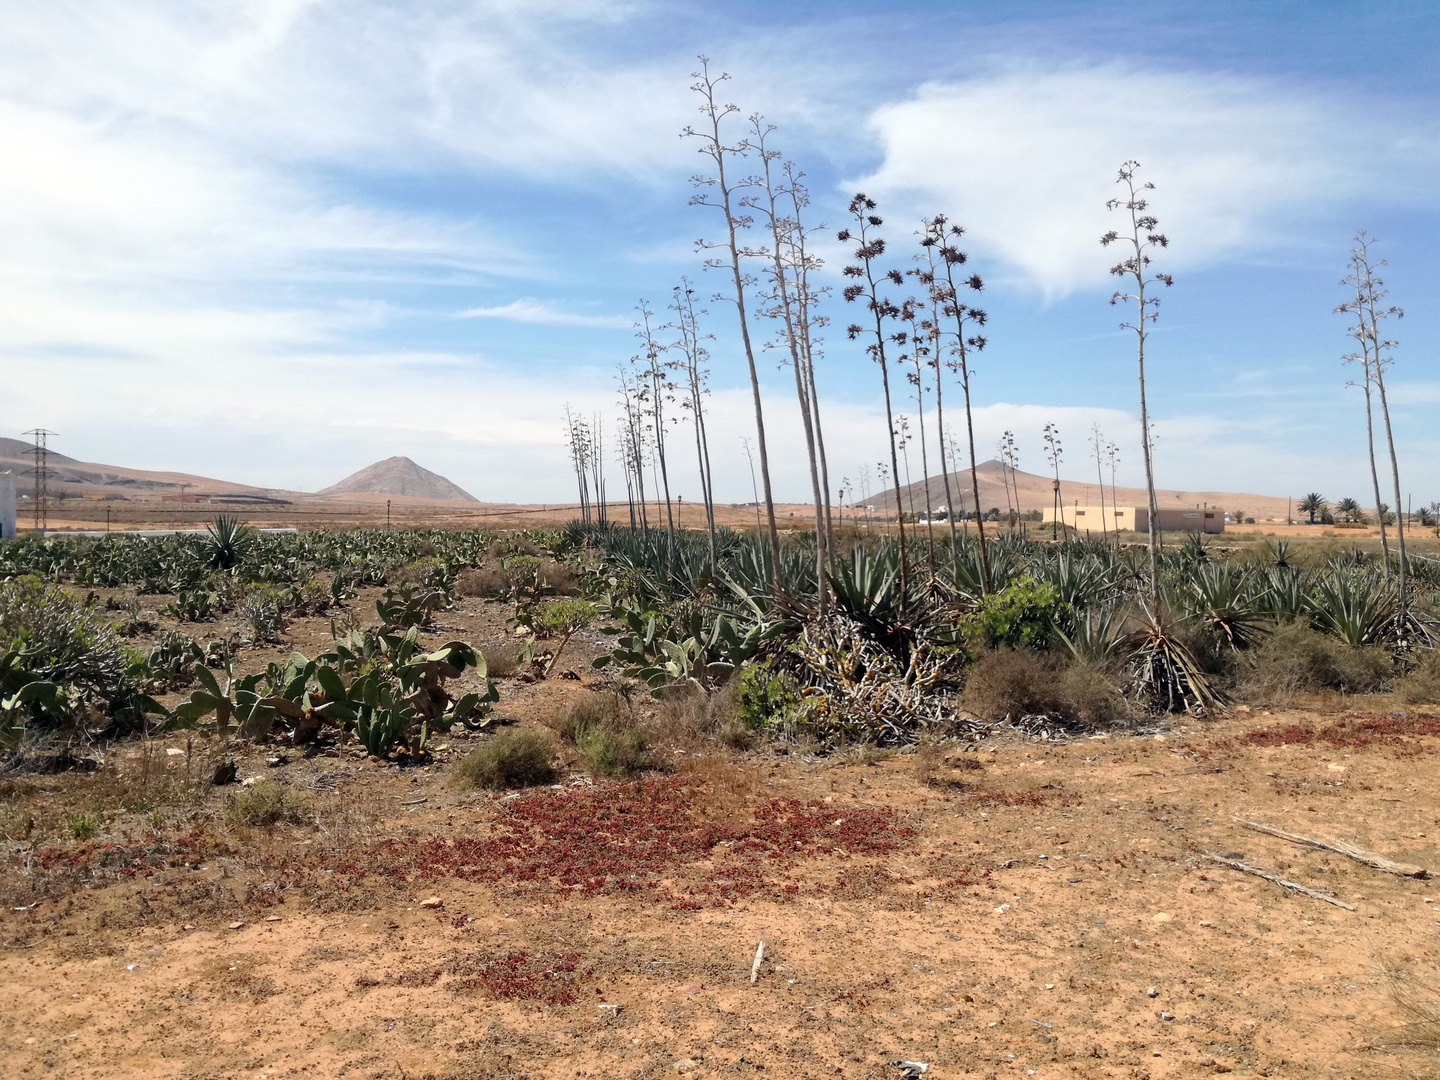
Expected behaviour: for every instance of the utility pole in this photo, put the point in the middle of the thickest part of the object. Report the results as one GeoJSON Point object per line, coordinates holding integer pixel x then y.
{"type": "Point", "coordinates": [41, 471]}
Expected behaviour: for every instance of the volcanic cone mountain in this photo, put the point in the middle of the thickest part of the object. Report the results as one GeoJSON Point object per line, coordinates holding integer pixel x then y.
{"type": "Point", "coordinates": [399, 476]}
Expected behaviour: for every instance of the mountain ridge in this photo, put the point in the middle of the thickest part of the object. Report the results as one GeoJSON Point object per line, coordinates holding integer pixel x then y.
{"type": "Point", "coordinates": [1033, 492]}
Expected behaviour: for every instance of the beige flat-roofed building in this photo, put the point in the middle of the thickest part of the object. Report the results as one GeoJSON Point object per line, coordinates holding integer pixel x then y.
{"type": "Point", "coordinates": [1137, 519]}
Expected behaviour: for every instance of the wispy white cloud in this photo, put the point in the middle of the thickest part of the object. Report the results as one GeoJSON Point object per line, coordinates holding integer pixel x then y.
{"type": "Point", "coordinates": [1027, 155]}
{"type": "Point", "coordinates": [527, 310]}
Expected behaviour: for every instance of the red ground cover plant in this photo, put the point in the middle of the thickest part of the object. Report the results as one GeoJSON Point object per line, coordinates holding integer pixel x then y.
{"type": "Point", "coordinates": [636, 838]}
{"type": "Point", "coordinates": [518, 976]}
{"type": "Point", "coordinates": [1353, 731]}
{"type": "Point", "coordinates": [97, 859]}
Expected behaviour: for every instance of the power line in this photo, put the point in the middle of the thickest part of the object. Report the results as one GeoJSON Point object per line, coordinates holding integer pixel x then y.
{"type": "Point", "coordinates": [42, 475]}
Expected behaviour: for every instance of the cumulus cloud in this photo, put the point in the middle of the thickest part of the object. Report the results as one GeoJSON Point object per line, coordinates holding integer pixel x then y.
{"type": "Point", "coordinates": [1026, 158]}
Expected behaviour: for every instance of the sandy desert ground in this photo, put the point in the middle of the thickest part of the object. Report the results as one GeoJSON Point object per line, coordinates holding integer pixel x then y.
{"type": "Point", "coordinates": [999, 907]}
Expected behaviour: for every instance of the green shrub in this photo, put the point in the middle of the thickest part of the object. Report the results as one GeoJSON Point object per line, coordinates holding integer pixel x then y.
{"type": "Point", "coordinates": [518, 757]}
{"type": "Point", "coordinates": [49, 635]}
{"type": "Point", "coordinates": [766, 698]}
{"type": "Point", "coordinates": [1022, 615]}
{"type": "Point", "coordinates": [262, 610]}
{"type": "Point", "coordinates": [429, 570]}
{"type": "Point", "coordinates": [82, 825]}
{"type": "Point", "coordinates": [615, 751]}
{"type": "Point", "coordinates": [561, 620]}
{"type": "Point", "coordinates": [266, 803]}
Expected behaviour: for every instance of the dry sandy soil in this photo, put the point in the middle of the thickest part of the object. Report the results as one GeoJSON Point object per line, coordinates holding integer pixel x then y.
{"type": "Point", "coordinates": [1003, 908]}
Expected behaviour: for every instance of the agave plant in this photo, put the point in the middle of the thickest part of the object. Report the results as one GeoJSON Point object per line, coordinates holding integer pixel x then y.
{"type": "Point", "coordinates": [226, 542]}
{"type": "Point", "coordinates": [1167, 676]}
{"type": "Point", "coordinates": [1220, 597]}
{"type": "Point", "coordinates": [1283, 595]}
{"type": "Point", "coordinates": [1358, 608]}
{"type": "Point", "coordinates": [1097, 636]}
{"type": "Point", "coordinates": [1279, 552]}
{"type": "Point", "coordinates": [1082, 580]}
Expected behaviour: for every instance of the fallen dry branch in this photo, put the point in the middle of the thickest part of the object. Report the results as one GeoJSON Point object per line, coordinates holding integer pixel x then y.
{"type": "Point", "coordinates": [1261, 872]}
{"type": "Point", "coordinates": [1350, 851]}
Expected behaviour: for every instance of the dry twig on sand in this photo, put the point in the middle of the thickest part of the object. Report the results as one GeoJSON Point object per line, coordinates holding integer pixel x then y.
{"type": "Point", "coordinates": [1350, 851]}
{"type": "Point", "coordinates": [1261, 872]}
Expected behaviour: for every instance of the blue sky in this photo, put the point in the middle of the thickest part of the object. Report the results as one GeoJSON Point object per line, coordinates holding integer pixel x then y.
{"type": "Point", "coordinates": [275, 241]}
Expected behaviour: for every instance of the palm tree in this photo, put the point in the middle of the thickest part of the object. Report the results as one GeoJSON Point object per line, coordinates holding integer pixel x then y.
{"type": "Point", "coordinates": [1348, 509]}
{"type": "Point", "coordinates": [1312, 504]}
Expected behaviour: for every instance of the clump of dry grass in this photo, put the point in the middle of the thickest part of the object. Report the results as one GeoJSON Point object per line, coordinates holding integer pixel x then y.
{"type": "Point", "coordinates": [501, 661]}
{"type": "Point", "coordinates": [482, 583]}
{"type": "Point", "coordinates": [691, 722]}
{"type": "Point", "coordinates": [1421, 686]}
{"type": "Point", "coordinates": [590, 709]}
{"type": "Point", "coordinates": [1295, 659]}
{"type": "Point", "coordinates": [728, 782]}
{"type": "Point", "coordinates": [606, 732]}
{"type": "Point", "coordinates": [266, 803]}
{"type": "Point", "coordinates": [518, 757]}
{"type": "Point", "coordinates": [1023, 682]}
{"type": "Point", "coordinates": [1417, 1001]}
{"type": "Point", "coordinates": [559, 577]}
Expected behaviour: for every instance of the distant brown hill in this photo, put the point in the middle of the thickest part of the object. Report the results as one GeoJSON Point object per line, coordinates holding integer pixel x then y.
{"type": "Point", "coordinates": [66, 472]}
{"type": "Point", "coordinates": [1037, 492]}
{"type": "Point", "coordinates": [399, 476]}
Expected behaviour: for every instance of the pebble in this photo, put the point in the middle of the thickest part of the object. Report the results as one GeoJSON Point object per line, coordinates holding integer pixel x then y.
{"type": "Point", "coordinates": [237, 926]}
{"type": "Point", "coordinates": [432, 902]}
{"type": "Point", "coordinates": [1152, 992]}
{"type": "Point", "coordinates": [686, 1065]}
{"type": "Point", "coordinates": [1160, 916]}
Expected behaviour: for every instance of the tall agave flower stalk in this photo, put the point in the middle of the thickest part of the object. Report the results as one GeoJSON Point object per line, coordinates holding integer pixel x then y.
{"type": "Point", "coordinates": [632, 454]}
{"type": "Point", "coordinates": [918, 339]}
{"type": "Point", "coordinates": [1375, 356]}
{"type": "Point", "coordinates": [784, 307]}
{"type": "Point", "coordinates": [964, 341]}
{"type": "Point", "coordinates": [1097, 451]}
{"type": "Point", "coordinates": [654, 390]}
{"type": "Point", "coordinates": [578, 440]}
{"type": "Point", "coordinates": [866, 286]}
{"type": "Point", "coordinates": [718, 191]}
{"type": "Point", "coordinates": [1138, 240]}
{"type": "Point", "coordinates": [597, 466]}
{"type": "Point", "coordinates": [808, 322]}
{"type": "Point", "coordinates": [925, 274]}
{"type": "Point", "coordinates": [696, 357]}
